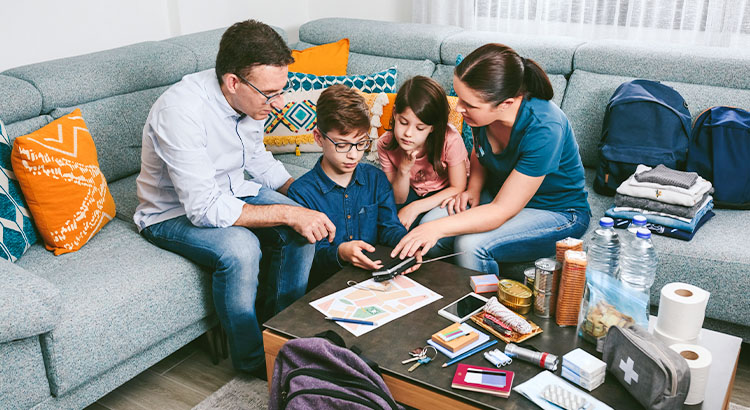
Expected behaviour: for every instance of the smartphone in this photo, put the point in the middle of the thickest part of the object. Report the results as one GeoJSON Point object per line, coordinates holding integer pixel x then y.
{"type": "Point", "coordinates": [487, 378]}
{"type": "Point", "coordinates": [463, 308]}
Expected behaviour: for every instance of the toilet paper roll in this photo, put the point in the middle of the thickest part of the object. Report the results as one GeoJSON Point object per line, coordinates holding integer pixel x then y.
{"type": "Point", "coordinates": [699, 361]}
{"type": "Point", "coordinates": [668, 340]}
{"type": "Point", "coordinates": [682, 308]}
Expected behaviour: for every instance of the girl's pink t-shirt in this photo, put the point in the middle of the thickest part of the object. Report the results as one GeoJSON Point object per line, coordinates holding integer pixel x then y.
{"type": "Point", "coordinates": [423, 179]}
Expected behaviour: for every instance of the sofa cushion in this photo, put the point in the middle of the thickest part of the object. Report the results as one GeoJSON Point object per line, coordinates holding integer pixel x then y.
{"type": "Point", "coordinates": [124, 192]}
{"type": "Point", "coordinates": [73, 81]}
{"type": "Point", "coordinates": [716, 66]}
{"type": "Point", "coordinates": [714, 259]}
{"type": "Point", "coordinates": [20, 100]}
{"type": "Point", "coordinates": [203, 45]}
{"type": "Point", "coordinates": [588, 94]}
{"type": "Point", "coordinates": [24, 127]}
{"type": "Point", "coordinates": [66, 193]}
{"type": "Point", "coordinates": [120, 295]}
{"type": "Point", "coordinates": [17, 231]}
{"type": "Point", "coordinates": [116, 124]}
{"type": "Point", "coordinates": [23, 382]}
{"type": "Point", "coordinates": [30, 305]}
{"type": "Point", "coordinates": [380, 38]}
{"type": "Point", "coordinates": [554, 54]}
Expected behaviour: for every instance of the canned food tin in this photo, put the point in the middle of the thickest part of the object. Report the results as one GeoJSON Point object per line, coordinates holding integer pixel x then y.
{"type": "Point", "coordinates": [544, 303]}
{"type": "Point", "coordinates": [514, 295]}
{"type": "Point", "coordinates": [547, 275]}
{"type": "Point", "coordinates": [528, 277]}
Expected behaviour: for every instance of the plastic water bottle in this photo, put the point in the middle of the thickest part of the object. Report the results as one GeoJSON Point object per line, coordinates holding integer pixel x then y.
{"type": "Point", "coordinates": [604, 249]}
{"type": "Point", "coordinates": [639, 221]}
{"type": "Point", "coordinates": [638, 262]}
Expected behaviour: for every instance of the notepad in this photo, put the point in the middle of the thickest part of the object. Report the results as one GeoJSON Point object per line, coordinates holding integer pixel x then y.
{"type": "Point", "coordinates": [481, 338]}
{"type": "Point", "coordinates": [483, 380]}
{"type": "Point", "coordinates": [455, 337]}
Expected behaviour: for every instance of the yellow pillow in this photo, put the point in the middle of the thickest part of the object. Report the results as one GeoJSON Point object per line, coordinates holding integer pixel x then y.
{"type": "Point", "coordinates": [58, 171]}
{"type": "Point", "coordinates": [325, 59]}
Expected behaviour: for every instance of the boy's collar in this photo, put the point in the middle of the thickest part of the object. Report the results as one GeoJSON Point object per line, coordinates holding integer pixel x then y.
{"type": "Point", "coordinates": [326, 184]}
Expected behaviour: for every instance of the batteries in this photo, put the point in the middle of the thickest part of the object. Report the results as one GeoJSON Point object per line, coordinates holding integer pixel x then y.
{"type": "Point", "coordinates": [497, 358]}
{"type": "Point", "coordinates": [542, 359]}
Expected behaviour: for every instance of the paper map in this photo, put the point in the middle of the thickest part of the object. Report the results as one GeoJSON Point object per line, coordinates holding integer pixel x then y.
{"type": "Point", "coordinates": [400, 297]}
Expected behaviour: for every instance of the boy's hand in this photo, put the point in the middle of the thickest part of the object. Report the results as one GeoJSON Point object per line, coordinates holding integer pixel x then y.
{"type": "Point", "coordinates": [313, 225]}
{"type": "Point", "coordinates": [407, 215]}
{"type": "Point", "coordinates": [352, 252]}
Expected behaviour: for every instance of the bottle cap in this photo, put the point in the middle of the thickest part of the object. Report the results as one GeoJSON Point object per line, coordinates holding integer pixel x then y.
{"type": "Point", "coordinates": [639, 220]}
{"type": "Point", "coordinates": [643, 233]}
{"type": "Point", "coordinates": [606, 222]}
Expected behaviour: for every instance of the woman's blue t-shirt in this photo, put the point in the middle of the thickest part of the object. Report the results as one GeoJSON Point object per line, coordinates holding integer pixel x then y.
{"type": "Point", "coordinates": [541, 144]}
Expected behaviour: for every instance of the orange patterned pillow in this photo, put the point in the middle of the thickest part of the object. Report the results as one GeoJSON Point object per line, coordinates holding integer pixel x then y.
{"type": "Point", "coordinates": [58, 171]}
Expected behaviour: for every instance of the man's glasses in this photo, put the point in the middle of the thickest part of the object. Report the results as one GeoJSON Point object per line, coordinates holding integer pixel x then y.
{"type": "Point", "coordinates": [347, 146]}
{"type": "Point", "coordinates": [269, 98]}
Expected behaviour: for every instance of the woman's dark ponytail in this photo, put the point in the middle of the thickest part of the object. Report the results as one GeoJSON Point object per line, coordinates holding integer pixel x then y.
{"type": "Point", "coordinates": [535, 80]}
{"type": "Point", "coordinates": [497, 72]}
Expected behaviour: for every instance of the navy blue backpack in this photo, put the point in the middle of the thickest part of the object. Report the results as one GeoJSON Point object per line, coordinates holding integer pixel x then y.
{"type": "Point", "coordinates": [720, 152]}
{"type": "Point", "coordinates": [646, 122]}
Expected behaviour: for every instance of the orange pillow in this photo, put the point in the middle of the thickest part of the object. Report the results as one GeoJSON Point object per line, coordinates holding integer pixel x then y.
{"type": "Point", "coordinates": [58, 171]}
{"type": "Point", "coordinates": [325, 59]}
{"type": "Point", "coordinates": [385, 118]}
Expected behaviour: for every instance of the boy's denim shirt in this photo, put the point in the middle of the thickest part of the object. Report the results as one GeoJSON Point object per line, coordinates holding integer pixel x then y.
{"type": "Point", "coordinates": [365, 210]}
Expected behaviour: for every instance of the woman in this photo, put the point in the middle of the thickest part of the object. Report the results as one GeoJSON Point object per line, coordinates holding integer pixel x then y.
{"type": "Point", "coordinates": [526, 189]}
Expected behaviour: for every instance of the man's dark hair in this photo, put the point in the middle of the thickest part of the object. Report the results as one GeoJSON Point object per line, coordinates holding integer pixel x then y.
{"type": "Point", "coordinates": [248, 44]}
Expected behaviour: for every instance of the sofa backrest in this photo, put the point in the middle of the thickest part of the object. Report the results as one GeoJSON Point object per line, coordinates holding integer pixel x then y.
{"type": "Point", "coordinates": [114, 89]}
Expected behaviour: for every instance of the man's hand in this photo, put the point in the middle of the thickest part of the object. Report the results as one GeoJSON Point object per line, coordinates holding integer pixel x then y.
{"type": "Point", "coordinates": [407, 215]}
{"type": "Point", "coordinates": [352, 252]}
{"type": "Point", "coordinates": [460, 202]}
{"type": "Point", "coordinates": [313, 225]}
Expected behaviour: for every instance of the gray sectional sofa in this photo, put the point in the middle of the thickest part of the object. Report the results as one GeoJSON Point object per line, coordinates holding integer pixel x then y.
{"type": "Point", "coordinates": [76, 326]}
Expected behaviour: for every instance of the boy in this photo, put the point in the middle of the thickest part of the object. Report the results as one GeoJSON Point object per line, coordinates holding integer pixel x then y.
{"type": "Point", "coordinates": [356, 197]}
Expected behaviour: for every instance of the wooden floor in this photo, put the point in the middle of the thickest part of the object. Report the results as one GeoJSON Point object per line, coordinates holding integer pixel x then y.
{"type": "Point", "coordinates": [185, 378]}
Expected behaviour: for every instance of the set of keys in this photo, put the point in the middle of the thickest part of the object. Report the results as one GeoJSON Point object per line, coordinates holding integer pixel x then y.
{"type": "Point", "coordinates": [420, 356]}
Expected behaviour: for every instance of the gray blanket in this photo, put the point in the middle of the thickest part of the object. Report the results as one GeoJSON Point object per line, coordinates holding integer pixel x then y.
{"type": "Point", "coordinates": [651, 205]}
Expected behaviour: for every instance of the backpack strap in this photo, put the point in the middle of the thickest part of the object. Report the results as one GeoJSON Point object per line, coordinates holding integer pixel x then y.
{"type": "Point", "coordinates": [336, 339]}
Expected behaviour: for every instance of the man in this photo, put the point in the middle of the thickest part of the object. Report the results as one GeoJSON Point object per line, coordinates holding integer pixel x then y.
{"type": "Point", "coordinates": [200, 137]}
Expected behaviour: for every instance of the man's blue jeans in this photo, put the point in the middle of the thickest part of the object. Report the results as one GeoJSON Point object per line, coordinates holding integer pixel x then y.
{"type": "Point", "coordinates": [529, 235]}
{"type": "Point", "coordinates": [234, 255]}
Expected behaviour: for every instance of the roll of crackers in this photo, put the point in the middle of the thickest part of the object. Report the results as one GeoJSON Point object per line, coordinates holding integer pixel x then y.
{"type": "Point", "coordinates": [572, 285]}
{"type": "Point", "coordinates": [567, 244]}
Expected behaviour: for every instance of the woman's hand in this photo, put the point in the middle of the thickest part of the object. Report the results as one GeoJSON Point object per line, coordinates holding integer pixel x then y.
{"type": "Point", "coordinates": [460, 202]}
{"type": "Point", "coordinates": [408, 214]}
{"type": "Point", "coordinates": [422, 237]}
{"type": "Point", "coordinates": [352, 252]}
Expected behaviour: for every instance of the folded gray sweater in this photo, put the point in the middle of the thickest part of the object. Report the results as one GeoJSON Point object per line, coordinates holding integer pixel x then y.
{"type": "Point", "coordinates": [660, 174]}
{"type": "Point", "coordinates": [651, 205]}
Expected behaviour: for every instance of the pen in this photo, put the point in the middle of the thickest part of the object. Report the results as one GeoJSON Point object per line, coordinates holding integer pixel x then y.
{"type": "Point", "coordinates": [345, 320]}
{"type": "Point", "coordinates": [469, 353]}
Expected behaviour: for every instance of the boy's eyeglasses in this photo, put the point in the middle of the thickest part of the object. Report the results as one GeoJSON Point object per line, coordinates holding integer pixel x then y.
{"type": "Point", "coordinates": [268, 98]}
{"type": "Point", "coordinates": [347, 146]}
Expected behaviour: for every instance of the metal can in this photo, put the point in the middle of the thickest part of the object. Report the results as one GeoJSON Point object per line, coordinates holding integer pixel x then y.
{"type": "Point", "coordinates": [544, 303]}
{"type": "Point", "coordinates": [528, 277]}
{"type": "Point", "coordinates": [514, 295]}
{"type": "Point", "coordinates": [547, 274]}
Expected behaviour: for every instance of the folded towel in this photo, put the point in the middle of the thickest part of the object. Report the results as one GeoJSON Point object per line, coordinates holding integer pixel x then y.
{"type": "Point", "coordinates": [663, 175]}
{"type": "Point", "coordinates": [666, 231]}
{"type": "Point", "coordinates": [665, 193]}
{"type": "Point", "coordinates": [645, 203]}
{"type": "Point", "coordinates": [667, 221]}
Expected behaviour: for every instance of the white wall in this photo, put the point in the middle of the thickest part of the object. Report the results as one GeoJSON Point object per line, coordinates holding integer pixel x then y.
{"type": "Point", "coordinates": [34, 31]}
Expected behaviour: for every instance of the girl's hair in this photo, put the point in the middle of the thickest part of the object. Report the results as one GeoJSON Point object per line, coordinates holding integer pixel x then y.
{"type": "Point", "coordinates": [497, 73]}
{"type": "Point", "coordinates": [429, 103]}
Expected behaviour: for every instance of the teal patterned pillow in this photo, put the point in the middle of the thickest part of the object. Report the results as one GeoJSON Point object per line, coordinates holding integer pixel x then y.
{"type": "Point", "coordinates": [384, 81]}
{"type": "Point", "coordinates": [466, 130]}
{"type": "Point", "coordinates": [17, 233]}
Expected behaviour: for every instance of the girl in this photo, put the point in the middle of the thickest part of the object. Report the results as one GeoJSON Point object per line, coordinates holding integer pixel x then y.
{"type": "Point", "coordinates": [423, 157]}
{"type": "Point", "coordinates": [526, 189]}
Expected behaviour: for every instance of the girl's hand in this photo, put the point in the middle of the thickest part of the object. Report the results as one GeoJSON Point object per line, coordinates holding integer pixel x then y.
{"type": "Point", "coordinates": [460, 202]}
{"type": "Point", "coordinates": [410, 157]}
{"type": "Point", "coordinates": [422, 237]}
{"type": "Point", "coordinates": [352, 252]}
{"type": "Point", "coordinates": [407, 215]}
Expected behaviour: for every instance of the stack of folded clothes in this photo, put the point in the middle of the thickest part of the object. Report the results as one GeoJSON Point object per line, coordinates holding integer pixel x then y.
{"type": "Point", "coordinates": [675, 203]}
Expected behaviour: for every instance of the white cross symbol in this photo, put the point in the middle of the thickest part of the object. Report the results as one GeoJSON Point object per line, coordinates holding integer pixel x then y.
{"type": "Point", "coordinates": [630, 374]}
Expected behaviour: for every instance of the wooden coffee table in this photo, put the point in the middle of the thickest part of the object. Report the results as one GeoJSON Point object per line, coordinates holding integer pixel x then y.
{"type": "Point", "coordinates": [429, 385]}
